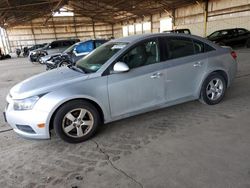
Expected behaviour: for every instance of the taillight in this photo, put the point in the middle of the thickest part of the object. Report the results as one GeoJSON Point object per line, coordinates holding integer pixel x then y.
{"type": "Point", "coordinates": [234, 55]}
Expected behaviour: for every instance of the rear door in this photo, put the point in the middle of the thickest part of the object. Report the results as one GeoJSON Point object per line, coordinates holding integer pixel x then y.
{"type": "Point", "coordinates": [184, 66]}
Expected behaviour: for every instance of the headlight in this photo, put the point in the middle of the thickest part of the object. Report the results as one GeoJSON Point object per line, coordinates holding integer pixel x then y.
{"type": "Point", "coordinates": [25, 104]}
{"type": "Point", "coordinates": [33, 52]}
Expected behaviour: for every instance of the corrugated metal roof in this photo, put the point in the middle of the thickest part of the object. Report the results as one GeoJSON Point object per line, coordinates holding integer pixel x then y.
{"type": "Point", "coordinates": [16, 12]}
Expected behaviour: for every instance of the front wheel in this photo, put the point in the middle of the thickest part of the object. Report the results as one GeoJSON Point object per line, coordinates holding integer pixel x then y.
{"type": "Point", "coordinates": [76, 121]}
{"type": "Point", "coordinates": [64, 64]}
{"type": "Point", "coordinates": [213, 89]}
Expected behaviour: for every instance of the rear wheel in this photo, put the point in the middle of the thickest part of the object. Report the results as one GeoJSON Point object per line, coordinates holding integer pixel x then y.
{"type": "Point", "coordinates": [76, 121]}
{"type": "Point", "coordinates": [213, 89]}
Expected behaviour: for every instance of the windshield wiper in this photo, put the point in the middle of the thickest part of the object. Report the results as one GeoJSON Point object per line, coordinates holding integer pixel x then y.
{"type": "Point", "coordinates": [85, 69]}
{"type": "Point", "coordinates": [75, 68]}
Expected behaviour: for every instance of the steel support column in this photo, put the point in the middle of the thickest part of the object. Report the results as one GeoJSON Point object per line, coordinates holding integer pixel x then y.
{"type": "Point", "coordinates": [173, 19]}
{"type": "Point", "coordinates": [54, 28]}
{"type": "Point", "coordinates": [205, 17]}
{"type": "Point", "coordinates": [2, 41]}
{"type": "Point", "coordinates": [93, 26]}
{"type": "Point", "coordinates": [32, 31]}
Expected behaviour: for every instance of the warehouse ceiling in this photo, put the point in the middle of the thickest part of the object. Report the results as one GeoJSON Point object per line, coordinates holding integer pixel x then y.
{"type": "Point", "coordinates": [16, 12]}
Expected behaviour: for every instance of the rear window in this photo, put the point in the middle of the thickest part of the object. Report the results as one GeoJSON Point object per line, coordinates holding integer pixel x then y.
{"type": "Point", "coordinates": [242, 31]}
{"type": "Point", "coordinates": [63, 43]}
{"type": "Point", "coordinates": [67, 43]}
{"type": "Point", "coordinates": [208, 48]}
{"type": "Point", "coordinates": [200, 47]}
{"type": "Point", "coordinates": [99, 43]}
{"type": "Point", "coordinates": [56, 44]}
{"type": "Point", "coordinates": [179, 47]}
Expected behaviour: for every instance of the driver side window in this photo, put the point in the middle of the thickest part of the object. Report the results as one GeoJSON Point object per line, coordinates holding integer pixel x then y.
{"type": "Point", "coordinates": [143, 54]}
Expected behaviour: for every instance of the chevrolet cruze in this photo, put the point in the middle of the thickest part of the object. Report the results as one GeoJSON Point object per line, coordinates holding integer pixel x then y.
{"type": "Point", "coordinates": [121, 78]}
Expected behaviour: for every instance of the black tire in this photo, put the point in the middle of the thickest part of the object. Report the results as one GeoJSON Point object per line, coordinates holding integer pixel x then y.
{"type": "Point", "coordinates": [204, 97]}
{"type": "Point", "coordinates": [248, 43]}
{"type": "Point", "coordinates": [60, 120]}
{"type": "Point", "coordinates": [64, 63]}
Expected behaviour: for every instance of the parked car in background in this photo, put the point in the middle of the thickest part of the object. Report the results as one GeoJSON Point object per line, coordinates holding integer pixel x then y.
{"type": "Point", "coordinates": [36, 46]}
{"type": "Point", "coordinates": [57, 46]}
{"type": "Point", "coordinates": [71, 55]}
{"type": "Point", "coordinates": [184, 31]}
{"type": "Point", "coordinates": [121, 78]}
{"type": "Point", "coordinates": [237, 37]}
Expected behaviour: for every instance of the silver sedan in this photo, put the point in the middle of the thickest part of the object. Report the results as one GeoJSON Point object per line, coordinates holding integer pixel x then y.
{"type": "Point", "coordinates": [122, 78]}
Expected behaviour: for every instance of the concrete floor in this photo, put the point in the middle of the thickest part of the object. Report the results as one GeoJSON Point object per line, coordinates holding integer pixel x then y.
{"type": "Point", "coordinates": [188, 145]}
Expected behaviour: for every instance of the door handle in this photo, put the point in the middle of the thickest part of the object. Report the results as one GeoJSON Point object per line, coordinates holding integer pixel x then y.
{"type": "Point", "coordinates": [156, 75]}
{"type": "Point", "coordinates": [198, 64]}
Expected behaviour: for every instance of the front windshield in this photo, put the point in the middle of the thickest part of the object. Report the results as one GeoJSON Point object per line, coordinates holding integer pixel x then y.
{"type": "Point", "coordinates": [215, 34]}
{"type": "Point", "coordinates": [70, 49]}
{"type": "Point", "coordinates": [94, 61]}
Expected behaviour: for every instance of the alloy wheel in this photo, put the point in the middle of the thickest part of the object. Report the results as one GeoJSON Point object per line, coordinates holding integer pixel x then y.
{"type": "Point", "coordinates": [77, 123]}
{"type": "Point", "coordinates": [214, 89]}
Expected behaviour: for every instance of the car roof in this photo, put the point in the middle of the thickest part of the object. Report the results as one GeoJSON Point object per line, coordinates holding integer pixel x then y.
{"type": "Point", "coordinates": [135, 38]}
{"type": "Point", "coordinates": [228, 29]}
{"type": "Point", "coordinates": [90, 40]}
{"type": "Point", "coordinates": [62, 40]}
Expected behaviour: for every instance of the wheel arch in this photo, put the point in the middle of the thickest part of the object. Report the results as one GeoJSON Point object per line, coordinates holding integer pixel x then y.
{"type": "Point", "coordinates": [94, 103]}
{"type": "Point", "coordinates": [221, 72]}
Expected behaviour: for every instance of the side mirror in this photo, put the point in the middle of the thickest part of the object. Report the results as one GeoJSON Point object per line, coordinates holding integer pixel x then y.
{"type": "Point", "coordinates": [74, 51]}
{"type": "Point", "coordinates": [120, 67]}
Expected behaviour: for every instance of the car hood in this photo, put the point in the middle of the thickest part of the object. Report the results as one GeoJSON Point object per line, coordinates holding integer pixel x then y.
{"type": "Point", "coordinates": [46, 82]}
{"type": "Point", "coordinates": [39, 49]}
{"type": "Point", "coordinates": [47, 57]}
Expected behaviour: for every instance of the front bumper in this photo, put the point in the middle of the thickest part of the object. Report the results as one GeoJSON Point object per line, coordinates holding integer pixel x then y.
{"type": "Point", "coordinates": [50, 65]}
{"type": "Point", "coordinates": [25, 123]}
{"type": "Point", "coordinates": [32, 58]}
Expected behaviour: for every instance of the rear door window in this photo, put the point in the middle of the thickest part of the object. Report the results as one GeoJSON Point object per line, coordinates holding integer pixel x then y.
{"type": "Point", "coordinates": [177, 47]}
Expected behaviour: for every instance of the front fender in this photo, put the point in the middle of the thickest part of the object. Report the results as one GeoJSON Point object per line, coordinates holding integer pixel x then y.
{"type": "Point", "coordinates": [77, 97]}
{"type": "Point", "coordinates": [94, 89]}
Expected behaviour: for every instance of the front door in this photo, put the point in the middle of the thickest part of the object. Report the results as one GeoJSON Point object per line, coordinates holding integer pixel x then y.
{"type": "Point", "coordinates": [142, 86]}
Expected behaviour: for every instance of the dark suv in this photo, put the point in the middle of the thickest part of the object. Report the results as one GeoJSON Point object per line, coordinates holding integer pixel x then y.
{"type": "Point", "coordinates": [237, 37]}
{"type": "Point", "coordinates": [57, 46]}
{"type": "Point", "coordinates": [184, 31]}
